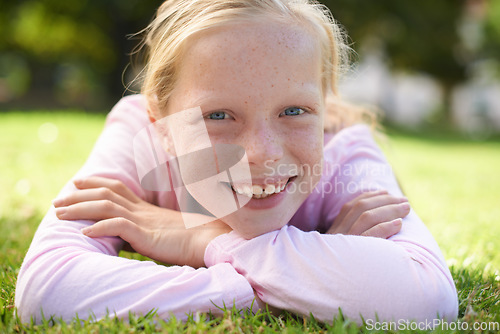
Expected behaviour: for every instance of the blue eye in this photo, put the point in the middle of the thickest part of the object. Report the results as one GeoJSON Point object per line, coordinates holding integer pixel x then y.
{"type": "Point", "coordinates": [292, 111]}
{"type": "Point", "coordinates": [218, 115]}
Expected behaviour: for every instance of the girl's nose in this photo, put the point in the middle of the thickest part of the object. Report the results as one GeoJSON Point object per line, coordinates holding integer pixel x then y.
{"type": "Point", "coordinates": [262, 145]}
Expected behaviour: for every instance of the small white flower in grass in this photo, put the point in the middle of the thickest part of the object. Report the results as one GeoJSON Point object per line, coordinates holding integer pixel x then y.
{"type": "Point", "coordinates": [469, 260]}
{"type": "Point", "coordinates": [451, 262]}
{"type": "Point", "coordinates": [23, 187]}
{"type": "Point", "coordinates": [48, 133]}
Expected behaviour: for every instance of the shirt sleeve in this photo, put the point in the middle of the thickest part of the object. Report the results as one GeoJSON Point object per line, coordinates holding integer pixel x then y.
{"type": "Point", "coordinates": [404, 277]}
{"type": "Point", "coordinates": [66, 273]}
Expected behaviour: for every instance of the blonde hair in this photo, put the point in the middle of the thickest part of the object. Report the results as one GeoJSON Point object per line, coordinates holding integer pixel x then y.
{"type": "Point", "coordinates": [177, 20]}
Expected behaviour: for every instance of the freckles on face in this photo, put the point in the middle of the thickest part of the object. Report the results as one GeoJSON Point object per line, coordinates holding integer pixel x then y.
{"type": "Point", "coordinates": [249, 62]}
{"type": "Point", "coordinates": [263, 80]}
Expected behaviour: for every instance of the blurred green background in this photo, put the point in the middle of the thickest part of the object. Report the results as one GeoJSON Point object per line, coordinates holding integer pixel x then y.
{"type": "Point", "coordinates": [418, 61]}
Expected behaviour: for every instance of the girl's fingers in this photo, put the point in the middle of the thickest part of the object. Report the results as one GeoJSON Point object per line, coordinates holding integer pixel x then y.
{"type": "Point", "coordinates": [378, 215]}
{"type": "Point", "coordinates": [384, 230]}
{"type": "Point", "coordinates": [366, 204]}
{"type": "Point", "coordinates": [365, 195]}
{"type": "Point", "coordinates": [352, 211]}
{"type": "Point", "coordinates": [102, 182]}
{"type": "Point", "coordinates": [117, 227]}
{"type": "Point", "coordinates": [349, 206]}
{"type": "Point", "coordinates": [92, 194]}
{"type": "Point", "coordinates": [373, 202]}
{"type": "Point", "coordinates": [139, 239]}
{"type": "Point", "coordinates": [93, 210]}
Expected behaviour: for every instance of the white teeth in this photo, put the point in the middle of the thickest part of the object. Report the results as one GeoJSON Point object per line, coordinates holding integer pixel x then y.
{"type": "Point", "coordinates": [247, 191]}
{"type": "Point", "coordinates": [256, 191]}
{"type": "Point", "coordinates": [270, 188]}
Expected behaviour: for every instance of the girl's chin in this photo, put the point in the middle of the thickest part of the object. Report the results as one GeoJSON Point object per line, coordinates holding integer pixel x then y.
{"type": "Point", "coordinates": [250, 223]}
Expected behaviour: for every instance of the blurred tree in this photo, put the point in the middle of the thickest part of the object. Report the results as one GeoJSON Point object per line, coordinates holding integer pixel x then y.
{"type": "Point", "coordinates": [491, 45]}
{"type": "Point", "coordinates": [415, 35]}
{"type": "Point", "coordinates": [75, 50]}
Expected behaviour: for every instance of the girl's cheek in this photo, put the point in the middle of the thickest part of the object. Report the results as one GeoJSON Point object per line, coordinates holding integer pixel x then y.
{"type": "Point", "coordinates": [309, 150]}
{"type": "Point", "coordinates": [310, 142]}
{"type": "Point", "coordinates": [227, 135]}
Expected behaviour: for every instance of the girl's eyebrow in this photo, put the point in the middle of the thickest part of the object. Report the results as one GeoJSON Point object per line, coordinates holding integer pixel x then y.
{"type": "Point", "coordinates": [307, 90]}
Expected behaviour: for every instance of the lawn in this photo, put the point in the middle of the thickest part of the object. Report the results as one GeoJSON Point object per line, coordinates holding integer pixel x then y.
{"type": "Point", "coordinates": [452, 184]}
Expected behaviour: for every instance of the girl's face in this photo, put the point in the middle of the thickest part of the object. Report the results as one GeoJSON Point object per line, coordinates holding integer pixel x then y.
{"type": "Point", "coordinates": [259, 87]}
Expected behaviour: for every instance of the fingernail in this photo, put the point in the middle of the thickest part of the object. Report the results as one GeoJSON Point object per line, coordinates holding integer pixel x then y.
{"type": "Point", "coordinates": [87, 231]}
{"type": "Point", "coordinates": [404, 199]}
{"type": "Point", "coordinates": [405, 206]}
{"type": "Point", "coordinates": [397, 222]}
{"type": "Point", "coordinates": [58, 202]}
{"type": "Point", "coordinates": [77, 181]}
{"type": "Point", "coordinates": [60, 211]}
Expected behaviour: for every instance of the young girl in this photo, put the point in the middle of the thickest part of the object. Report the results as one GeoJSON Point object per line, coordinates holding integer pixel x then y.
{"type": "Point", "coordinates": [317, 233]}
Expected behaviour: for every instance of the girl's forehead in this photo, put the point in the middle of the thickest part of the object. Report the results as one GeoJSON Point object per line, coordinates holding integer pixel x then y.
{"type": "Point", "coordinates": [244, 41]}
{"type": "Point", "coordinates": [260, 63]}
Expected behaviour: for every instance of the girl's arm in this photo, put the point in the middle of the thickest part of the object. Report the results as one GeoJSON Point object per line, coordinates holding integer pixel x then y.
{"type": "Point", "coordinates": [404, 277]}
{"type": "Point", "coordinates": [66, 273]}
{"type": "Point", "coordinates": [156, 232]}
{"type": "Point", "coordinates": [160, 234]}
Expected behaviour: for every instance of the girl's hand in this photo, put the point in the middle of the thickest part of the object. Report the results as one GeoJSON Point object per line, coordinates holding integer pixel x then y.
{"type": "Point", "coordinates": [152, 231]}
{"type": "Point", "coordinates": [374, 214]}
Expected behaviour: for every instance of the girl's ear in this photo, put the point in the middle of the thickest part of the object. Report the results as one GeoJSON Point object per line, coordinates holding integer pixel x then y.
{"type": "Point", "coordinates": [151, 118]}
{"type": "Point", "coordinates": [161, 128]}
{"type": "Point", "coordinates": [151, 114]}
{"type": "Point", "coordinates": [152, 110]}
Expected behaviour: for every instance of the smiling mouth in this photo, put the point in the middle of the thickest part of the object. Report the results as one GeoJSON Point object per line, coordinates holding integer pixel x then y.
{"type": "Point", "coordinates": [261, 191]}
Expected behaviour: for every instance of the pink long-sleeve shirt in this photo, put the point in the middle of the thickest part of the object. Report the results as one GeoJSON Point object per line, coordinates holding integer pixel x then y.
{"type": "Point", "coordinates": [296, 268]}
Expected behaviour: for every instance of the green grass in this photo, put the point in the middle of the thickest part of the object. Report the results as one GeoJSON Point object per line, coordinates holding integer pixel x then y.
{"type": "Point", "coordinates": [452, 184]}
